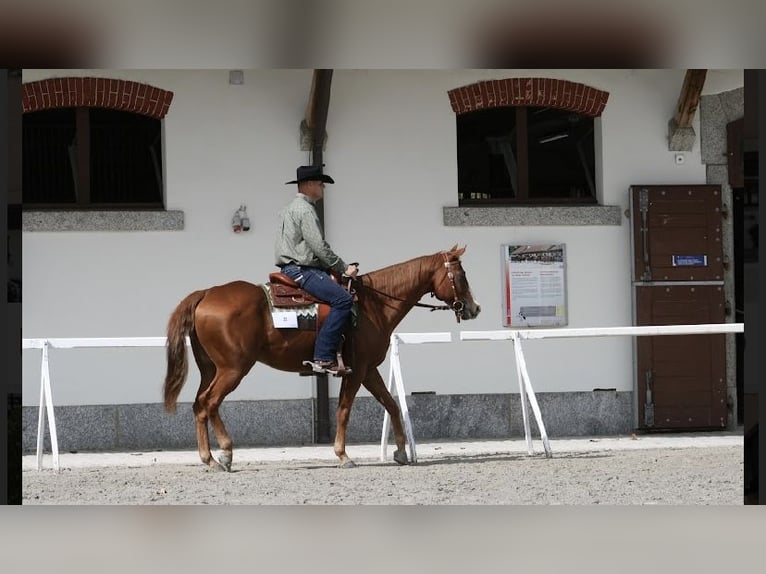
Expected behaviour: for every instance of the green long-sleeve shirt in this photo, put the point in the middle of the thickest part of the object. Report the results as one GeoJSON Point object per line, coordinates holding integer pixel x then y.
{"type": "Point", "coordinates": [300, 238]}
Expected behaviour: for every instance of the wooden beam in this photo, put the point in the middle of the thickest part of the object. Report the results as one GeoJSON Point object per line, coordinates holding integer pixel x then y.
{"type": "Point", "coordinates": [316, 121]}
{"type": "Point", "coordinates": [316, 111]}
{"type": "Point", "coordinates": [309, 117]}
{"type": "Point", "coordinates": [689, 99]}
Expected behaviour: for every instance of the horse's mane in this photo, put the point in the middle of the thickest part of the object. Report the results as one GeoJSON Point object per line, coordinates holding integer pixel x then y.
{"type": "Point", "coordinates": [391, 278]}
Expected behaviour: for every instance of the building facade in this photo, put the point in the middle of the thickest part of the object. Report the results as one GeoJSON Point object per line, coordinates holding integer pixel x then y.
{"type": "Point", "coordinates": [394, 141]}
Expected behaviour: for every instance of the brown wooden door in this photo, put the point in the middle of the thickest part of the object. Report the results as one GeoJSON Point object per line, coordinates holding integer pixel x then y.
{"type": "Point", "coordinates": [681, 379]}
{"type": "Point", "coordinates": [677, 233]}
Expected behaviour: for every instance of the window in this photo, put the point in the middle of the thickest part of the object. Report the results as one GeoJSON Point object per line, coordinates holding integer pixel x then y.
{"type": "Point", "coordinates": [91, 158]}
{"type": "Point", "coordinates": [531, 155]}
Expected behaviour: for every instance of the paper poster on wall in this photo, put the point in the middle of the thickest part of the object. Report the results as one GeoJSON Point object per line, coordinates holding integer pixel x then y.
{"type": "Point", "coordinates": [534, 290]}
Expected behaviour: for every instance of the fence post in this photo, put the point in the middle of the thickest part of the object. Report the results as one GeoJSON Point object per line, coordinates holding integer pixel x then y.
{"type": "Point", "coordinates": [522, 396]}
{"type": "Point", "coordinates": [46, 404]}
{"type": "Point", "coordinates": [395, 373]}
{"type": "Point", "coordinates": [522, 364]}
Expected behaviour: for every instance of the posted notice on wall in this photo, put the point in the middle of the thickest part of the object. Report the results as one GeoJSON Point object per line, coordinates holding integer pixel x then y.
{"type": "Point", "coordinates": [534, 293]}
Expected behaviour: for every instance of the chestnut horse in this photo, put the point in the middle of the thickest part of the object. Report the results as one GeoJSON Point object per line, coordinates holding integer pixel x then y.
{"type": "Point", "coordinates": [230, 328]}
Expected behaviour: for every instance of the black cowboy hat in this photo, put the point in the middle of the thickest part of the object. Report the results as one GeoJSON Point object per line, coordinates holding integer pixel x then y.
{"type": "Point", "coordinates": [311, 173]}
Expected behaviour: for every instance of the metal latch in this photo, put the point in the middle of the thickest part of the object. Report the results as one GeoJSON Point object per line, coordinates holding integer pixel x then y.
{"type": "Point", "coordinates": [648, 404]}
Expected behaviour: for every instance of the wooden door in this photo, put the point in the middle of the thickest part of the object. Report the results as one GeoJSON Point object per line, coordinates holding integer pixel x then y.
{"type": "Point", "coordinates": [677, 233]}
{"type": "Point", "coordinates": [681, 379]}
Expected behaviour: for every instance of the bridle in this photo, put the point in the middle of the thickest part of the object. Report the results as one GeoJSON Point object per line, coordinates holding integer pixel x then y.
{"type": "Point", "coordinates": [456, 305]}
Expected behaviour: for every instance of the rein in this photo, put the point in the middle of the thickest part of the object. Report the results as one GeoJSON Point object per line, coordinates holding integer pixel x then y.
{"type": "Point", "coordinates": [456, 306]}
{"type": "Point", "coordinates": [418, 304]}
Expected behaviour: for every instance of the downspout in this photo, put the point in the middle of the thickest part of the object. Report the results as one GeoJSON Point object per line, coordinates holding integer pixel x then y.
{"type": "Point", "coordinates": [316, 121]}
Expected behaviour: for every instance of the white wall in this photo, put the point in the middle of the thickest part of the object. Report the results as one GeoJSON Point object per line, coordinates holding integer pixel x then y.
{"type": "Point", "coordinates": [392, 151]}
{"type": "Point", "coordinates": [224, 146]}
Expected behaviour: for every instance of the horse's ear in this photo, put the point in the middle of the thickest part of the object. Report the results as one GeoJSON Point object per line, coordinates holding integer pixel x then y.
{"type": "Point", "coordinates": [460, 251]}
{"type": "Point", "coordinates": [451, 249]}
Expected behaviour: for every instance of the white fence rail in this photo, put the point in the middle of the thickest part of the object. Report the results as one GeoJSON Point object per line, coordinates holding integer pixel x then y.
{"type": "Point", "coordinates": [395, 371]}
{"type": "Point", "coordinates": [525, 385]}
{"type": "Point", "coordinates": [562, 332]}
{"type": "Point", "coordinates": [46, 395]}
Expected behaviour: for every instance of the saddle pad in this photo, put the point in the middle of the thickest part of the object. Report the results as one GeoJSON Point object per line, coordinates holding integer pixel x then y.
{"type": "Point", "coordinates": [303, 317]}
{"type": "Point", "coordinates": [307, 314]}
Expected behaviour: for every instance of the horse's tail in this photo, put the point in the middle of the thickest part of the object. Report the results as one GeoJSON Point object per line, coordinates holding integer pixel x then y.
{"type": "Point", "coordinates": [180, 325]}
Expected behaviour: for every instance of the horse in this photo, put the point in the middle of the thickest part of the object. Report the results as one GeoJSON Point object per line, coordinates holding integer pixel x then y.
{"type": "Point", "coordinates": [231, 328]}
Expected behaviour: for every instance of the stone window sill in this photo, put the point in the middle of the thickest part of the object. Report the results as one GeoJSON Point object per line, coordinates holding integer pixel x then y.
{"type": "Point", "coordinates": [128, 220]}
{"type": "Point", "coordinates": [548, 215]}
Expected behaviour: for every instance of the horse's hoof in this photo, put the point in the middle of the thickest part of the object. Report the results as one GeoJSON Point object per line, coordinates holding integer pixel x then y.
{"type": "Point", "coordinates": [224, 461]}
{"type": "Point", "coordinates": [348, 464]}
{"type": "Point", "coordinates": [400, 456]}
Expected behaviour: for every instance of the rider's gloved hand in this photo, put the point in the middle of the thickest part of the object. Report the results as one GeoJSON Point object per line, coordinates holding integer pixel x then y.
{"type": "Point", "coordinates": [351, 270]}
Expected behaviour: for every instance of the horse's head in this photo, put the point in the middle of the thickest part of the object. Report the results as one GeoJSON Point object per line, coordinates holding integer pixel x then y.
{"type": "Point", "coordinates": [450, 285]}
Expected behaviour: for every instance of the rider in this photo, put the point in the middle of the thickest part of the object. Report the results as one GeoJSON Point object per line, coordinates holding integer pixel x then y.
{"type": "Point", "coordinates": [302, 254]}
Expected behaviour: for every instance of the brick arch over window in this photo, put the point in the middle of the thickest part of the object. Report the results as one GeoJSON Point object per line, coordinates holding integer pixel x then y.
{"type": "Point", "coordinates": [96, 92]}
{"type": "Point", "coordinates": [547, 92]}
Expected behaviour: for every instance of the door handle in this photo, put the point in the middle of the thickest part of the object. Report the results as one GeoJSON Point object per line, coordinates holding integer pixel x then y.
{"type": "Point", "coordinates": [643, 205]}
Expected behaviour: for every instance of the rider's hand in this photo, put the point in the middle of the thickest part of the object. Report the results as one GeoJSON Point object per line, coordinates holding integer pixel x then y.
{"type": "Point", "coordinates": [352, 270]}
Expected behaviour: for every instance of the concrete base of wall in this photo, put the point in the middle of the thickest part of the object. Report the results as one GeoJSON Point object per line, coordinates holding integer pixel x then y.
{"type": "Point", "coordinates": [290, 422]}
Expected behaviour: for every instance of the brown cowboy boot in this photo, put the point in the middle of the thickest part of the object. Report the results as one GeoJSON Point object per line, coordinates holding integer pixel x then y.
{"type": "Point", "coordinates": [335, 368]}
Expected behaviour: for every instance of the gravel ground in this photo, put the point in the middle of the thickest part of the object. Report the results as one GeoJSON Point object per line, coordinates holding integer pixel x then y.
{"type": "Point", "coordinates": [697, 476]}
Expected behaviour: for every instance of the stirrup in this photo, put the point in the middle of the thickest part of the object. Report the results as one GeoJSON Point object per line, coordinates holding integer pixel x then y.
{"type": "Point", "coordinates": [333, 369]}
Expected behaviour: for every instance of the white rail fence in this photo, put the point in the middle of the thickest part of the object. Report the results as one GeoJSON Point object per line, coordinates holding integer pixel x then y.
{"type": "Point", "coordinates": [46, 395]}
{"type": "Point", "coordinates": [395, 371]}
{"type": "Point", "coordinates": [525, 385]}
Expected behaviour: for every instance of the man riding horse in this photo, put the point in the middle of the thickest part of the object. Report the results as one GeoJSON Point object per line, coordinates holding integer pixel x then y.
{"type": "Point", "coordinates": [231, 327]}
{"type": "Point", "coordinates": [303, 254]}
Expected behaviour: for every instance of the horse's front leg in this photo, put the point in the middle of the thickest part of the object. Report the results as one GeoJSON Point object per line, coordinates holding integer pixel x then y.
{"type": "Point", "coordinates": [374, 383]}
{"type": "Point", "coordinates": [348, 389]}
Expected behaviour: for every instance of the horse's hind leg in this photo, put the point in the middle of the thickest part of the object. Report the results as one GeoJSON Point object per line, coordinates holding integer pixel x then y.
{"type": "Point", "coordinates": [214, 385]}
{"type": "Point", "coordinates": [207, 374]}
{"type": "Point", "coordinates": [374, 383]}
{"type": "Point", "coordinates": [222, 386]}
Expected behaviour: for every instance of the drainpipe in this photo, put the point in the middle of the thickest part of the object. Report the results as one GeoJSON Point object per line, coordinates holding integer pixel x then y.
{"type": "Point", "coordinates": [316, 120]}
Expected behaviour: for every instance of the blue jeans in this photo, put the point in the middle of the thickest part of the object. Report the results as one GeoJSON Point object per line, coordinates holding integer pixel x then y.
{"type": "Point", "coordinates": [320, 285]}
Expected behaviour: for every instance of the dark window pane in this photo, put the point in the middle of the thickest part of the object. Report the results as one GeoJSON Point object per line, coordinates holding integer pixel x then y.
{"type": "Point", "coordinates": [121, 161]}
{"type": "Point", "coordinates": [486, 142]}
{"type": "Point", "coordinates": [561, 156]}
{"type": "Point", "coordinates": [555, 163]}
{"type": "Point", "coordinates": [48, 156]}
{"type": "Point", "coordinates": [125, 158]}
